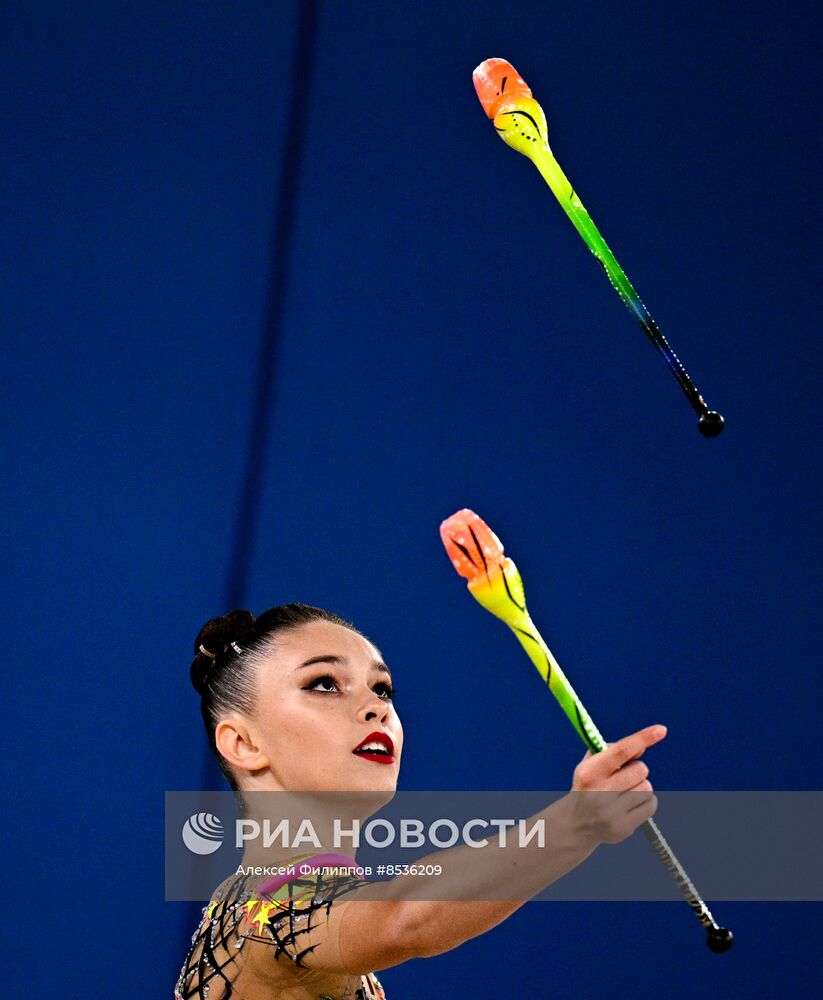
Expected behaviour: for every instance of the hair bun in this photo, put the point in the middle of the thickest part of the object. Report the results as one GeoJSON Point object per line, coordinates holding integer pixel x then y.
{"type": "Point", "coordinates": [214, 637]}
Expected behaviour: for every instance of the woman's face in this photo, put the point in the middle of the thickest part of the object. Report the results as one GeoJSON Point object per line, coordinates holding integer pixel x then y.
{"type": "Point", "coordinates": [324, 690]}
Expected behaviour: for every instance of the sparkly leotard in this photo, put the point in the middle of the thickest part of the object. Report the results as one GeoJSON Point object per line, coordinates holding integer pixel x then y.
{"type": "Point", "coordinates": [247, 946]}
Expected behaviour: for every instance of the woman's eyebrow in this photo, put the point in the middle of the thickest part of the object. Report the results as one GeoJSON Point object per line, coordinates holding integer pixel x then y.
{"type": "Point", "coordinates": [333, 658]}
{"type": "Point", "coordinates": [381, 667]}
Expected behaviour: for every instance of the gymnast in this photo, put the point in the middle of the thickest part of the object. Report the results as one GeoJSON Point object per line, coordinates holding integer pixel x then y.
{"type": "Point", "coordinates": [298, 700]}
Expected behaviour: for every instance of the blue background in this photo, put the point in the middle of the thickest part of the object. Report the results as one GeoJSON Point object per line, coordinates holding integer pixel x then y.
{"type": "Point", "coordinates": [276, 301]}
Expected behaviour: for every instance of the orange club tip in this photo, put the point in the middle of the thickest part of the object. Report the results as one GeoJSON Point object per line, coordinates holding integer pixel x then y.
{"type": "Point", "coordinates": [497, 81]}
{"type": "Point", "coordinates": [472, 546]}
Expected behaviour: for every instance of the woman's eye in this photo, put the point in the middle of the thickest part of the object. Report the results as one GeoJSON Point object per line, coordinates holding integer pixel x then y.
{"type": "Point", "coordinates": [388, 692]}
{"type": "Point", "coordinates": [325, 678]}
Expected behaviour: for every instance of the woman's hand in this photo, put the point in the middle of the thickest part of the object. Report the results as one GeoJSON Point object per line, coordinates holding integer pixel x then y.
{"type": "Point", "coordinates": [617, 770]}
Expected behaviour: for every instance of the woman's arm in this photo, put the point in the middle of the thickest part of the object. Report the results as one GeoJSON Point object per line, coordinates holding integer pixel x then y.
{"type": "Point", "coordinates": [415, 923]}
{"type": "Point", "coordinates": [387, 923]}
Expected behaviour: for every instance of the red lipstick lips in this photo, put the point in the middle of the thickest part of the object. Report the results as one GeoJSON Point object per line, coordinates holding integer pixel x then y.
{"type": "Point", "coordinates": [385, 757]}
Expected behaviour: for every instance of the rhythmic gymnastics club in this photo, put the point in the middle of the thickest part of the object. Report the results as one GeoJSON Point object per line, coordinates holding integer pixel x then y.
{"type": "Point", "coordinates": [494, 581]}
{"type": "Point", "coordinates": [521, 124]}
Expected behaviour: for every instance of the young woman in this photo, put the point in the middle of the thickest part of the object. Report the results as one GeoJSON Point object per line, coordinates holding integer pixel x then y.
{"type": "Point", "coordinates": [297, 700]}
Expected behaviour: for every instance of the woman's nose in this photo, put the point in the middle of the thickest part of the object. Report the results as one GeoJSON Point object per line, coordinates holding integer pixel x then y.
{"type": "Point", "coordinates": [374, 707]}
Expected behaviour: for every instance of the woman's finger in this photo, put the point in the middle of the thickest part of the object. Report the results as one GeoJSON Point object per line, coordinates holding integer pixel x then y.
{"type": "Point", "coordinates": [629, 748]}
{"type": "Point", "coordinates": [629, 776]}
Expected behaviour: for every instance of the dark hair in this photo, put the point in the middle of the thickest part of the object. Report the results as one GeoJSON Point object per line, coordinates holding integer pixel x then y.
{"type": "Point", "coordinates": [236, 643]}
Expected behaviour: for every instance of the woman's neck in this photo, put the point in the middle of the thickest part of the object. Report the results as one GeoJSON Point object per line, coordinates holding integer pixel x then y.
{"type": "Point", "coordinates": [278, 826]}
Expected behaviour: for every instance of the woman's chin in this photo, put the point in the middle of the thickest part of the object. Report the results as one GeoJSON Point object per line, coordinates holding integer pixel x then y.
{"type": "Point", "coordinates": [378, 780]}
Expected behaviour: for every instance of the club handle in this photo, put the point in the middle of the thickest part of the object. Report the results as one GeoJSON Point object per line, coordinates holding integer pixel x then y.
{"type": "Point", "coordinates": [719, 939]}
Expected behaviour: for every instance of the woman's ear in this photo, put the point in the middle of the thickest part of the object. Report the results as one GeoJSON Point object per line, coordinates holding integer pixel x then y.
{"type": "Point", "coordinates": [237, 744]}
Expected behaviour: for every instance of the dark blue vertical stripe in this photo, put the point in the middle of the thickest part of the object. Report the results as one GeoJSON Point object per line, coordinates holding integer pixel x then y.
{"type": "Point", "coordinates": [285, 203]}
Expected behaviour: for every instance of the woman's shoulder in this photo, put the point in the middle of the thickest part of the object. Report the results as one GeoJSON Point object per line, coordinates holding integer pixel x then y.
{"type": "Point", "coordinates": [259, 937]}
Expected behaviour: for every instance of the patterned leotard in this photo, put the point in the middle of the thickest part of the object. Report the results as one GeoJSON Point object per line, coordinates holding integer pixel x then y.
{"type": "Point", "coordinates": [216, 967]}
